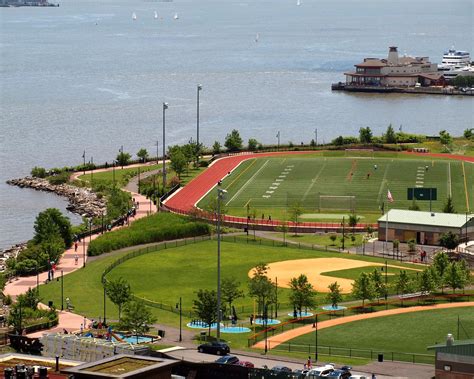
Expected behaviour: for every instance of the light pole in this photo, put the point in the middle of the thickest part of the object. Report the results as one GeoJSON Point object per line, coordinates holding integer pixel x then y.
{"type": "Point", "coordinates": [62, 290]}
{"type": "Point", "coordinates": [92, 170]}
{"type": "Point", "coordinates": [104, 283]}
{"type": "Point", "coordinates": [220, 196]}
{"type": "Point", "coordinates": [276, 297]}
{"type": "Point", "coordinates": [157, 153]}
{"type": "Point", "coordinates": [316, 338]}
{"type": "Point", "coordinates": [199, 88]}
{"type": "Point", "coordinates": [90, 230]}
{"type": "Point", "coordinates": [316, 136]}
{"type": "Point", "coordinates": [84, 160]}
{"type": "Point", "coordinates": [113, 174]}
{"type": "Point", "coordinates": [121, 155]}
{"type": "Point", "coordinates": [83, 251]}
{"type": "Point", "coordinates": [278, 136]}
{"type": "Point", "coordinates": [343, 233]}
{"type": "Point", "coordinates": [180, 307]}
{"type": "Point", "coordinates": [165, 107]}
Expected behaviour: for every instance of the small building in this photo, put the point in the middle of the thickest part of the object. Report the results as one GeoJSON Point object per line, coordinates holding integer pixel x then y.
{"type": "Point", "coordinates": [454, 359]}
{"type": "Point", "coordinates": [424, 227]}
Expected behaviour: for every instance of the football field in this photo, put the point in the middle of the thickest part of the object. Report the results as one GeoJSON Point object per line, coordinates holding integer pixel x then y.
{"type": "Point", "coordinates": [328, 185]}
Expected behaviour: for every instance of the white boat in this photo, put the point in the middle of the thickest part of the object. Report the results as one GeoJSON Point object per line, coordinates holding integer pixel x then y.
{"type": "Point", "coordinates": [454, 59]}
{"type": "Point", "coordinates": [257, 37]}
{"type": "Point", "coordinates": [156, 15]}
{"type": "Point", "coordinates": [176, 16]}
{"type": "Point", "coordinates": [134, 16]}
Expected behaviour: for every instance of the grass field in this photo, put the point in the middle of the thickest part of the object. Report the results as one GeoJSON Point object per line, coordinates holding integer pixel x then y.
{"type": "Point", "coordinates": [410, 333]}
{"type": "Point", "coordinates": [269, 186]}
{"type": "Point", "coordinates": [121, 175]}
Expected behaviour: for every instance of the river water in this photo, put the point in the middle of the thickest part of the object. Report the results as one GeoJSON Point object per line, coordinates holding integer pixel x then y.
{"type": "Point", "coordinates": [87, 76]}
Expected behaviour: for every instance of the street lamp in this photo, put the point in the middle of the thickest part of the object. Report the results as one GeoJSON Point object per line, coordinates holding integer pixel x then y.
{"type": "Point", "coordinates": [278, 136]}
{"type": "Point", "coordinates": [316, 136]}
{"type": "Point", "coordinates": [316, 338]}
{"type": "Point", "coordinates": [84, 161]}
{"type": "Point", "coordinates": [104, 283]}
{"type": "Point", "coordinates": [157, 153]}
{"type": "Point", "coordinates": [165, 107]}
{"type": "Point", "coordinates": [180, 307]}
{"type": "Point", "coordinates": [199, 88]}
{"type": "Point", "coordinates": [62, 290]}
{"type": "Point", "coordinates": [121, 155]}
{"type": "Point", "coordinates": [220, 196]}
{"type": "Point", "coordinates": [92, 170]}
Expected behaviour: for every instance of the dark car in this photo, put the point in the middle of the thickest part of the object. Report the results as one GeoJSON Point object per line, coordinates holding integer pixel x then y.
{"type": "Point", "coordinates": [246, 364]}
{"type": "Point", "coordinates": [219, 348]}
{"type": "Point", "coordinates": [281, 369]}
{"type": "Point", "coordinates": [340, 374]}
{"type": "Point", "coordinates": [227, 360]}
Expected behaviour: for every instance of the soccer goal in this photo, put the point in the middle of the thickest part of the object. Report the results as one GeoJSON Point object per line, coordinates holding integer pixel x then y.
{"type": "Point", "coordinates": [336, 203]}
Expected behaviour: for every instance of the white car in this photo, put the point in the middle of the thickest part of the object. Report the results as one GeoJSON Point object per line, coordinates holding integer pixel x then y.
{"type": "Point", "coordinates": [359, 377]}
{"type": "Point", "coordinates": [316, 372]}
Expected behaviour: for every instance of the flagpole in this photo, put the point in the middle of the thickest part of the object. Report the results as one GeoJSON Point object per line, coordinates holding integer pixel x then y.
{"type": "Point", "coordinates": [386, 232]}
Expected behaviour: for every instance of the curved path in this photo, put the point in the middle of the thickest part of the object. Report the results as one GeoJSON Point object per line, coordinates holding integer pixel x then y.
{"type": "Point", "coordinates": [67, 320]}
{"type": "Point", "coordinates": [186, 198]}
{"type": "Point", "coordinates": [290, 334]}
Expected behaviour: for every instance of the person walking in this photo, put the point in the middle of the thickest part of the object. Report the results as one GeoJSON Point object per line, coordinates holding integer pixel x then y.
{"type": "Point", "coordinates": [76, 259]}
{"type": "Point", "coordinates": [75, 246]}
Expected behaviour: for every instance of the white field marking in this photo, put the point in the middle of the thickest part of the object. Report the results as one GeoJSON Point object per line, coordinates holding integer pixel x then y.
{"type": "Point", "coordinates": [449, 180]}
{"type": "Point", "coordinates": [269, 191]}
{"type": "Point", "coordinates": [283, 161]}
{"type": "Point", "coordinates": [282, 176]}
{"type": "Point", "coordinates": [278, 180]}
{"type": "Point", "coordinates": [276, 184]}
{"type": "Point", "coordinates": [273, 188]}
{"type": "Point", "coordinates": [247, 183]}
{"type": "Point", "coordinates": [247, 203]}
{"type": "Point", "coordinates": [313, 181]}
{"type": "Point", "coordinates": [266, 196]}
{"type": "Point", "coordinates": [384, 180]}
{"type": "Point", "coordinates": [419, 182]}
{"type": "Point", "coordinates": [418, 186]}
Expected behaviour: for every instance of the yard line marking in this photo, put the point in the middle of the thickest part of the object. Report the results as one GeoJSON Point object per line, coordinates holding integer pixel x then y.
{"type": "Point", "coordinates": [449, 180]}
{"type": "Point", "coordinates": [266, 196]}
{"type": "Point", "coordinates": [283, 161]}
{"type": "Point", "coordinates": [273, 188]}
{"type": "Point", "coordinates": [247, 183]}
{"type": "Point", "coordinates": [418, 186]}
{"type": "Point", "coordinates": [270, 191]}
{"type": "Point", "coordinates": [278, 180]}
{"type": "Point", "coordinates": [465, 186]}
{"type": "Point", "coordinates": [313, 181]}
{"type": "Point", "coordinates": [276, 184]}
{"type": "Point", "coordinates": [247, 203]}
{"type": "Point", "coordinates": [238, 176]}
{"type": "Point", "coordinates": [382, 184]}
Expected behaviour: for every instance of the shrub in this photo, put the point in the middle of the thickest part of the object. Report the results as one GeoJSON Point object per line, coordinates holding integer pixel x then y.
{"type": "Point", "coordinates": [156, 228]}
{"type": "Point", "coordinates": [61, 178]}
{"type": "Point", "coordinates": [38, 172]}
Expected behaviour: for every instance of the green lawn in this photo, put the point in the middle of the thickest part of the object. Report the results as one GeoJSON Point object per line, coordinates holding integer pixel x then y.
{"type": "Point", "coordinates": [269, 186]}
{"type": "Point", "coordinates": [409, 333]}
{"type": "Point", "coordinates": [122, 176]}
{"type": "Point", "coordinates": [354, 273]}
{"type": "Point", "coordinates": [322, 239]}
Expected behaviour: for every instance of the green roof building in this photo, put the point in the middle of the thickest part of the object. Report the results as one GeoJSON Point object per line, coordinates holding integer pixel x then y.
{"type": "Point", "coordinates": [454, 359]}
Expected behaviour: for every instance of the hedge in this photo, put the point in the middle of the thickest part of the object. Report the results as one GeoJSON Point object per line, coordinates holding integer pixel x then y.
{"type": "Point", "coordinates": [155, 228]}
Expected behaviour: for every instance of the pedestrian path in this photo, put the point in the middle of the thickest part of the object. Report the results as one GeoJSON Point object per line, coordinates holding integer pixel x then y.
{"type": "Point", "coordinates": [68, 320]}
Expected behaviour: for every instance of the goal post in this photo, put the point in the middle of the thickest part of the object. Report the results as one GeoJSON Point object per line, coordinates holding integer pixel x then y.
{"type": "Point", "coordinates": [345, 203]}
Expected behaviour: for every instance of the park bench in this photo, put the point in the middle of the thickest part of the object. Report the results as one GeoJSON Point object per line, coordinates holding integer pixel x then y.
{"type": "Point", "coordinates": [413, 295]}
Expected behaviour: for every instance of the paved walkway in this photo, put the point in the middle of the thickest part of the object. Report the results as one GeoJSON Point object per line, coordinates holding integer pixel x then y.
{"type": "Point", "coordinates": [68, 320]}
{"type": "Point", "coordinates": [290, 334]}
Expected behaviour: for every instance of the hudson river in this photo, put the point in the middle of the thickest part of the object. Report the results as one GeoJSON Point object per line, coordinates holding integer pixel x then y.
{"type": "Point", "coordinates": [87, 76]}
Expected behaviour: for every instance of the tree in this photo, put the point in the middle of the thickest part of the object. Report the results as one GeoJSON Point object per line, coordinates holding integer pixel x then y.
{"type": "Point", "coordinates": [396, 246]}
{"type": "Point", "coordinates": [261, 287]}
{"type": "Point", "coordinates": [465, 271]}
{"type": "Point", "coordinates": [119, 292]}
{"type": "Point", "coordinates": [137, 318]}
{"type": "Point", "coordinates": [339, 141]}
{"type": "Point", "coordinates": [362, 288]}
{"type": "Point", "coordinates": [205, 307]}
{"type": "Point", "coordinates": [302, 293]}
{"type": "Point", "coordinates": [295, 211]}
{"type": "Point", "coordinates": [216, 147]}
{"type": "Point", "coordinates": [445, 138]}
{"type": "Point", "coordinates": [402, 284]}
{"type": "Point", "coordinates": [233, 141]}
{"type": "Point", "coordinates": [378, 285]}
{"type": "Point", "coordinates": [449, 240]}
{"type": "Point", "coordinates": [29, 299]}
{"type": "Point", "coordinates": [178, 162]}
{"type": "Point", "coordinates": [38, 172]}
{"type": "Point", "coordinates": [353, 221]}
{"type": "Point", "coordinates": [123, 158]}
{"type": "Point", "coordinates": [390, 136]}
{"type": "Point", "coordinates": [51, 223]}
{"type": "Point", "coordinates": [333, 238]}
{"type": "Point", "coordinates": [440, 265]}
{"type": "Point", "coordinates": [283, 227]}
{"type": "Point", "coordinates": [142, 154]}
{"type": "Point", "coordinates": [468, 133]}
{"type": "Point", "coordinates": [334, 295]}
{"type": "Point", "coordinates": [426, 283]}
{"type": "Point", "coordinates": [448, 206]}
{"type": "Point", "coordinates": [253, 144]}
{"type": "Point", "coordinates": [365, 135]}
{"type": "Point", "coordinates": [230, 290]}
{"type": "Point", "coordinates": [454, 278]}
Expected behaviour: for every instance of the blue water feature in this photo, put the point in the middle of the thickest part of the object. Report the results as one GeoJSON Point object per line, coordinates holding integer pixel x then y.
{"type": "Point", "coordinates": [201, 325]}
{"type": "Point", "coordinates": [331, 308]}
{"type": "Point", "coordinates": [302, 314]}
{"type": "Point", "coordinates": [270, 321]}
{"type": "Point", "coordinates": [235, 329]}
{"type": "Point", "coordinates": [133, 339]}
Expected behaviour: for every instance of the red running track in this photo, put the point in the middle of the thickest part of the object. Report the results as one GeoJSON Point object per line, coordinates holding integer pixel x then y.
{"type": "Point", "coordinates": [186, 198]}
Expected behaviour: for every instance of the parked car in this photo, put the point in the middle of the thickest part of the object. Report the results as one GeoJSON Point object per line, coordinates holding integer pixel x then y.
{"type": "Point", "coordinates": [219, 348]}
{"type": "Point", "coordinates": [316, 372]}
{"type": "Point", "coordinates": [227, 360]}
{"type": "Point", "coordinates": [299, 374]}
{"type": "Point", "coordinates": [340, 374]}
{"type": "Point", "coordinates": [358, 377]}
{"type": "Point", "coordinates": [246, 364]}
{"type": "Point", "coordinates": [281, 369]}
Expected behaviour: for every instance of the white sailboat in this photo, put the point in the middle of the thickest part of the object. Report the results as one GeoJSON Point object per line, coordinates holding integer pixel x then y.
{"type": "Point", "coordinates": [156, 15]}
{"type": "Point", "coordinates": [298, 2]}
{"type": "Point", "coordinates": [176, 16]}
{"type": "Point", "coordinates": [257, 37]}
{"type": "Point", "coordinates": [134, 16]}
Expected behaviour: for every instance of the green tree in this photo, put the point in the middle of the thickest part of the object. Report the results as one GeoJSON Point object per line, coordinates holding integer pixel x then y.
{"type": "Point", "coordinates": [333, 238]}
{"type": "Point", "coordinates": [253, 144]}
{"type": "Point", "coordinates": [142, 154]}
{"type": "Point", "coordinates": [390, 136]}
{"type": "Point", "coordinates": [302, 293]}
{"type": "Point", "coordinates": [123, 158]}
{"type": "Point", "coordinates": [365, 135]}
{"type": "Point", "coordinates": [402, 284]}
{"type": "Point", "coordinates": [465, 271]}
{"type": "Point", "coordinates": [468, 133]}
{"type": "Point", "coordinates": [14, 318]}
{"type": "Point", "coordinates": [334, 295]}
{"type": "Point", "coordinates": [119, 292]}
{"type": "Point", "coordinates": [362, 288]}
{"type": "Point", "coordinates": [119, 202]}
{"type": "Point", "coordinates": [353, 221]}
{"type": "Point", "coordinates": [378, 285]}
{"type": "Point", "coordinates": [38, 172]}
{"type": "Point", "coordinates": [283, 227]}
{"type": "Point", "coordinates": [339, 141]}
{"type": "Point", "coordinates": [205, 307]}
{"type": "Point", "coordinates": [216, 147]}
{"type": "Point", "coordinates": [426, 283]}
{"type": "Point", "coordinates": [230, 290]}
{"type": "Point", "coordinates": [295, 211]}
{"type": "Point", "coordinates": [233, 141]}
{"type": "Point", "coordinates": [455, 278]}
{"type": "Point", "coordinates": [136, 318]}
{"type": "Point", "coordinates": [445, 138]}
{"type": "Point", "coordinates": [29, 299]}
{"type": "Point", "coordinates": [440, 264]}
{"type": "Point", "coordinates": [449, 240]}
{"type": "Point", "coordinates": [448, 206]}
{"type": "Point", "coordinates": [178, 162]}
{"type": "Point", "coordinates": [261, 287]}
{"type": "Point", "coordinates": [51, 223]}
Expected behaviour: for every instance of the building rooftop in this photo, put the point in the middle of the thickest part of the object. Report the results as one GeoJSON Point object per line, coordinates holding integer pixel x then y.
{"type": "Point", "coordinates": [372, 63]}
{"type": "Point", "coordinates": [465, 347]}
{"type": "Point", "coordinates": [402, 216]}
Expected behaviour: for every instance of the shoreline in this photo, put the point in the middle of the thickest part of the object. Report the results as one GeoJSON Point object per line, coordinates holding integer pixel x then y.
{"type": "Point", "coordinates": [447, 91]}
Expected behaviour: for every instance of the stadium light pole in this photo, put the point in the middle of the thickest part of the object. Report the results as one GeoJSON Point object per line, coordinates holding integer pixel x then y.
{"type": "Point", "coordinates": [316, 136]}
{"type": "Point", "coordinates": [165, 107]}
{"type": "Point", "coordinates": [104, 283]}
{"type": "Point", "coordinates": [220, 196]}
{"type": "Point", "coordinates": [316, 338]}
{"type": "Point", "coordinates": [62, 290]}
{"type": "Point", "coordinates": [180, 307]}
{"type": "Point", "coordinates": [278, 136]}
{"type": "Point", "coordinates": [199, 88]}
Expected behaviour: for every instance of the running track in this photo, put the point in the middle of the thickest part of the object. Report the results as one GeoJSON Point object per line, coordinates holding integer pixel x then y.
{"type": "Point", "coordinates": [187, 197]}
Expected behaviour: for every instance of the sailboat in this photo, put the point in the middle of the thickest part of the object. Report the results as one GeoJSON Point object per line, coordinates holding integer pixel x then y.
{"type": "Point", "coordinates": [134, 16]}
{"type": "Point", "coordinates": [257, 36]}
{"type": "Point", "coordinates": [176, 16]}
{"type": "Point", "coordinates": [298, 2]}
{"type": "Point", "coordinates": [156, 15]}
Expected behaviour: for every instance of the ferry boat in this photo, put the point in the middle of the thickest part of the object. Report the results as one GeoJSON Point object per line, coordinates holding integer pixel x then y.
{"type": "Point", "coordinates": [454, 59]}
